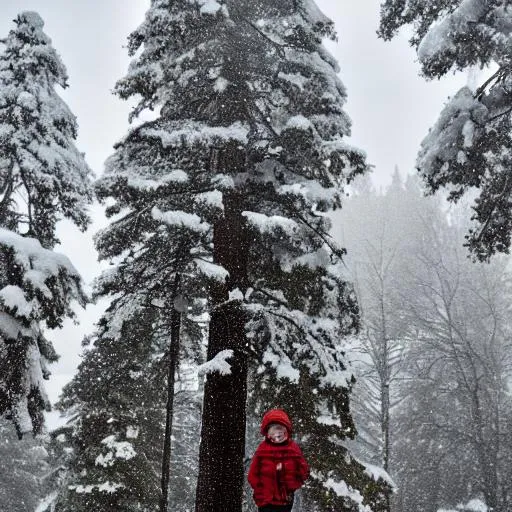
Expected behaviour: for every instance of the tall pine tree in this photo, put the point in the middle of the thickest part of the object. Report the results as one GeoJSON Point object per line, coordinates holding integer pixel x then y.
{"type": "Point", "coordinates": [228, 187]}
{"type": "Point", "coordinates": [43, 178]}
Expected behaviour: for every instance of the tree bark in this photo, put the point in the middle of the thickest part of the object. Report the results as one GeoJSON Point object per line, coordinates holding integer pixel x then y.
{"type": "Point", "coordinates": [222, 448]}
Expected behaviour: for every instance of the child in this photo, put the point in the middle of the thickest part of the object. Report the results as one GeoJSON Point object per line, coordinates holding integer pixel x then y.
{"type": "Point", "coordinates": [278, 467]}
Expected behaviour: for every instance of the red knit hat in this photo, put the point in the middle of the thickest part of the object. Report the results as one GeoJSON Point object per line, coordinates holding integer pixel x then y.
{"type": "Point", "coordinates": [275, 416]}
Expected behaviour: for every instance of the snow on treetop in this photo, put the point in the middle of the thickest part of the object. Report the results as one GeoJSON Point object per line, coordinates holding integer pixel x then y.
{"type": "Point", "coordinates": [314, 14]}
{"type": "Point", "coordinates": [36, 48]}
{"type": "Point", "coordinates": [309, 17]}
{"type": "Point", "coordinates": [41, 130]}
{"type": "Point", "coordinates": [32, 19]}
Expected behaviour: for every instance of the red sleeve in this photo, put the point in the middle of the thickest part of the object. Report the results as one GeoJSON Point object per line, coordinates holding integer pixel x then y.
{"type": "Point", "coordinates": [303, 469]}
{"type": "Point", "coordinates": [254, 471]}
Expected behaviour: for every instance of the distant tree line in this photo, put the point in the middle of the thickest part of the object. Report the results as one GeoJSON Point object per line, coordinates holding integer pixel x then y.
{"type": "Point", "coordinates": [433, 356]}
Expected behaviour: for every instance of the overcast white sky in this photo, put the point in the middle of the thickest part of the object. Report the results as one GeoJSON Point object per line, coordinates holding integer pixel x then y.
{"type": "Point", "coordinates": [390, 105]}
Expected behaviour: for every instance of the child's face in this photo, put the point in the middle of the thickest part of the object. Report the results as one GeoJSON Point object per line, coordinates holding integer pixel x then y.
{"type": "Point", "coordinates": [277, 433]}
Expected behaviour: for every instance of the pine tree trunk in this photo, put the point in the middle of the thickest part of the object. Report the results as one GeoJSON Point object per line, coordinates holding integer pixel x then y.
{"type": "Point", "coordinates": [174, 349]}
{"type": "Point", "coordinates": [222, 448]}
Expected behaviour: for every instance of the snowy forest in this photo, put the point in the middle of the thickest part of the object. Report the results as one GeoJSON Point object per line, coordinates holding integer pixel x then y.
{"type": "Point", "coordinates": [250, 262]}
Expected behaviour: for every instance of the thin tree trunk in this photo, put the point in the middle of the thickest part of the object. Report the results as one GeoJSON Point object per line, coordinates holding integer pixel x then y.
{"type": "Point", "coordinates": [487, 459]}
{"type": "Point", "coordinates": [174, 349]}
{"type": "Point", "coordinates": [385, 404]}
{"type": "Point", "coordinates": [222, 448]}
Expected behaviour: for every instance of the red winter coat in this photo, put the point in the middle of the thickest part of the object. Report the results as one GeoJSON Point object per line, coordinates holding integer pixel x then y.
{"type": "Point", "coordinates": [271, 486]}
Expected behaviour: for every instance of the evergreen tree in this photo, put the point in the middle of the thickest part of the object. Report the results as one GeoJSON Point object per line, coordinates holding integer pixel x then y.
{"type": "Point", "coordinates": [470, 145]}
{"type": "Point", "coordinates": [323, 423]}
{"type": "Point", "coordinates": [228, 187]}
{"type": "Point", "coordinates": [22, 466]}
{"type": "Point", "coordinates": [116, 405]}
{"type": "Point", "coordinates": [43, 178]}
